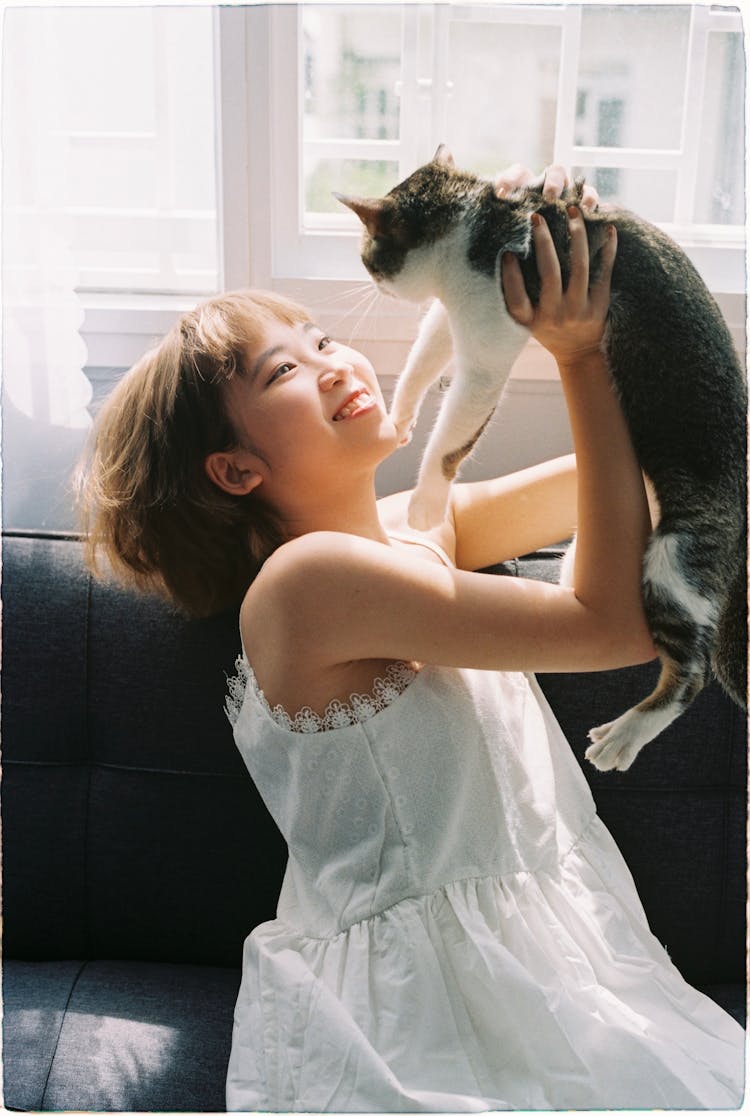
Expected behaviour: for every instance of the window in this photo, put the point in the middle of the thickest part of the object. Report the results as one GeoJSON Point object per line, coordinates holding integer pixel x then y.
{"type": "Point", "coordinates": [121, 105]}
{"type": "Point", "coordinates": [645, 100]}
{"type": "Point", "coordinates": [153, 154]}
{"type": "Point", "coordinates": [198, 147]}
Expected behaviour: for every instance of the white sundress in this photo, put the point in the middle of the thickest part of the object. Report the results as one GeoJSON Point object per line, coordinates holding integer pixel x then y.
{"type": "Point", "coordinates": [457, 930]}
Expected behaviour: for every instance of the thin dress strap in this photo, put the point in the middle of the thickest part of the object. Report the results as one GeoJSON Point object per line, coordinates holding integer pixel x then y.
{"type": "Point", "coordinates": [400, 536]}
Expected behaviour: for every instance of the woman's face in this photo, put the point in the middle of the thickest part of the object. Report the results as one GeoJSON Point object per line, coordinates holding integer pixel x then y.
{"type": "Point", "coordinates": [310, 408]}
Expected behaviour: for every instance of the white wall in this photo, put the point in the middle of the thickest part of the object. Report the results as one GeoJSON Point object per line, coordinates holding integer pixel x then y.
{"type": "Point", "coordinates": [530, 425]}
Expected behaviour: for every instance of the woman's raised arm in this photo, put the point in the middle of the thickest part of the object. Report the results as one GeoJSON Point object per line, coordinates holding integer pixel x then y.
{"type": "Point", "coordinates": [335, 597]}
{"type": "Point", "coordinates": [613, 516]}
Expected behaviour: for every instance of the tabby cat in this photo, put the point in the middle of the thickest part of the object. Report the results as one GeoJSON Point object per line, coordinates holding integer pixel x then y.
{"type": "Point", "coordinates": [440, 234]}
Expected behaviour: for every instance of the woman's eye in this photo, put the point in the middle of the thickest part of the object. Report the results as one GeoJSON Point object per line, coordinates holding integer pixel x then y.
{"type": "Point", "coordinates": [324, 342]}
{"type": "Point", "coordinates": [280, 371]}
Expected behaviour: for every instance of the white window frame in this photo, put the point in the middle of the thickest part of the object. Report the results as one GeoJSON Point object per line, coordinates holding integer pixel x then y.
{"type": "Point", "coordinates": [266, 240]}
{"type": "Point", "coordinates": [119, 327]}
{"type": "Point", "coordinates": [304, 249]}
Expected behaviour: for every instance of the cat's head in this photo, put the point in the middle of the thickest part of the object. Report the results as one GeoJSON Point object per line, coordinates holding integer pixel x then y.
{"type": "Point", "coordinates": [400, 228]}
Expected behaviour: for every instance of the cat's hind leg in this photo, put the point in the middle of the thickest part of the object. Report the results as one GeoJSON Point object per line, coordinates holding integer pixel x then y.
{"type": "Point", "coordinates": [682, 619]}
{"type": "Point", "coordinates": [614, 746]}
{"type": "Point", "coordinates": [427, 358]}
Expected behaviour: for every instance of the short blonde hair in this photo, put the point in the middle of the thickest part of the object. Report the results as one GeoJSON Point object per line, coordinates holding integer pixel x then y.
{"type": "Point", "coordinates": [145, 498]}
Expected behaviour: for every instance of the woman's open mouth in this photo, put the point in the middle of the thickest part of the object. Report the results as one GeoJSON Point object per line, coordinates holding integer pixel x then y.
{"type": "Point", "coordinates": [359, 401]}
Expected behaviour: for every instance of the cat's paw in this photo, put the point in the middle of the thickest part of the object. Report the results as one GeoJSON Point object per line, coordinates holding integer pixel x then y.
{"type": "Point", "coordinates": [615, 745]}
{"type": "Point", "coordinates": [405, 424]}
{"type": "Point", "coordinates": [426, 511]}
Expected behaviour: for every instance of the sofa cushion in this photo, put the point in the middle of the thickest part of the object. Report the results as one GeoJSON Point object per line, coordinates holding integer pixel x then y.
{"type": "Point", "coordinates": [116, 1036]}
{"type": "Point", "coordinates": [35, 999]}
{"type": "Point", "coordinates": [115, 741]}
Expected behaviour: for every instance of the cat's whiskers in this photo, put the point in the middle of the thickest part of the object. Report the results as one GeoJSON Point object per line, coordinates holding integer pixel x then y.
{"type": "Point", "coordinates": [358, 286]}
{"type": "Point", "coordinates": [362, 307]}
{"type": "Point", "coordinates": [355, 296]}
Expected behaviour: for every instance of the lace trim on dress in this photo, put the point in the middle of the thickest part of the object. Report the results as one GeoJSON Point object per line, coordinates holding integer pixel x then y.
{"type": "Point", "coordinates": [338, 714]}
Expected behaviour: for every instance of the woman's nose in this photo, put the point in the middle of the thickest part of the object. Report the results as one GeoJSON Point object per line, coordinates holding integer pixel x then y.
{"type": "Point", "coordinates": [336, 372]}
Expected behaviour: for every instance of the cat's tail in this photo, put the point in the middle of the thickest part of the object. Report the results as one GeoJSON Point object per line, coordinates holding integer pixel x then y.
{"type": "Point", "coordinates": [729, 659]}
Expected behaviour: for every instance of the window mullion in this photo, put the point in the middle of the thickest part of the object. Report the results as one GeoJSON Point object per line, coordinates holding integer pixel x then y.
{"type": "Point", "coordinates": [236, 177]}
{"type": "Point", "coordinates": [439, 75]}
{"type": "Point", "coordinates": [695, 77]}
{"type": "Point", "coordinates": [408, 128]}
{"type": "Point", "coordinates": [286, 179]}
{"type": "Point", "coordinates": [568, 87]}
{"type": "Point", "coordinates": [165, 200]}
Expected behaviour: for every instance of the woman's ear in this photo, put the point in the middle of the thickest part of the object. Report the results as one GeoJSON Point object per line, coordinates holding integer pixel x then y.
{"type": "Point", "coordinates": [234, 471]}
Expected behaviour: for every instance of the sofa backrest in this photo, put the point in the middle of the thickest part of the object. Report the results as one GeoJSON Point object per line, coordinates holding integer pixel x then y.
{"type": "Point", "coordinates": [131, 827]}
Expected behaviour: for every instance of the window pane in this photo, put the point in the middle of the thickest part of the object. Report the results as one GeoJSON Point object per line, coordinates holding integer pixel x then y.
{"type": "Point", "coordinates": [352, 64]}
{"type": "Point", "coordinates": [366, 177]}
{"type": "Point", "coordinates": [649, 193]}
{"type": "Point", "coordinates": [720, 194]}
{"type": "Point", "coordinates": [631, 76]}
{"type": "Point", "coordinates": [502, 105]}
{"type": "Point", "coordinates": [124, 99]}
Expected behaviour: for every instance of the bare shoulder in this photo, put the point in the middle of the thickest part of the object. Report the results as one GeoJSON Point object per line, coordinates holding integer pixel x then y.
{"type": "Point", "coordinates": [306, 619]}
{"type": "Point", "coordinates": [301, 585]}
{"type": "Point", "coordinates": [286, 573]}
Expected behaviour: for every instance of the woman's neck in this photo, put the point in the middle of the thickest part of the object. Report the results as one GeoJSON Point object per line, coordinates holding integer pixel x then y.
{"type": "Point", "coordinates": [353, 511]}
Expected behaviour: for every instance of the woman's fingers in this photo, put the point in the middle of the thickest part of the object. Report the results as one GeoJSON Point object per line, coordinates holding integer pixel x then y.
{"type": "Point", "coordinates": [570, 321]}
{"type": "Point", "coordinates": [514, 290]}
{"type": "Point", "coordinates": [589, 197]}
{"type": "Point", "coordinates": [512, 178]}
{"type": "Point", "coordinates": [546, 261]}
{"type": "Point", "coordinates": [578, 284]}
{"type": "Point", "coordinates": [555, 181]}
{"type": "Point", "coordinates": [600, 290]}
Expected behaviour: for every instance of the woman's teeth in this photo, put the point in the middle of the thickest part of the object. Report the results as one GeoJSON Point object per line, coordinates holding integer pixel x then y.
{"type": "Point", "coordinates": [362, 400]}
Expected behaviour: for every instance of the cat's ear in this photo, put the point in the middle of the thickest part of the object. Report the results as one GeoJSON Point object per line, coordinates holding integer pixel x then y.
{"type": "Point", "coordinates": [443, 157]}
{"type": "Point", "coordinates": [374, 213]}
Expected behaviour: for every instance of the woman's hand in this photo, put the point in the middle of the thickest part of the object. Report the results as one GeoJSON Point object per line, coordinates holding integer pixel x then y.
{"type": "Point", "coordinates": [569, 323]}
{"type": "Point", "coordinates": [555, 179]}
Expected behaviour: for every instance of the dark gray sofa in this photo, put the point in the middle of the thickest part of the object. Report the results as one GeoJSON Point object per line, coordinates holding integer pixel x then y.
{"type": "Point", "coordinates": [137, 854]}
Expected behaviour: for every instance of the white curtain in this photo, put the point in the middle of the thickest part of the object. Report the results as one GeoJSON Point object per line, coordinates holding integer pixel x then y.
{"type": "Point", "coordinates": [45, 392]}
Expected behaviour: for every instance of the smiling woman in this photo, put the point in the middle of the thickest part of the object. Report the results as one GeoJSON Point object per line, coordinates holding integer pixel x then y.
{"type": "Point", "coordinates": [443, 806]}
{"type": "Point", "coordinates": [456, 929]}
